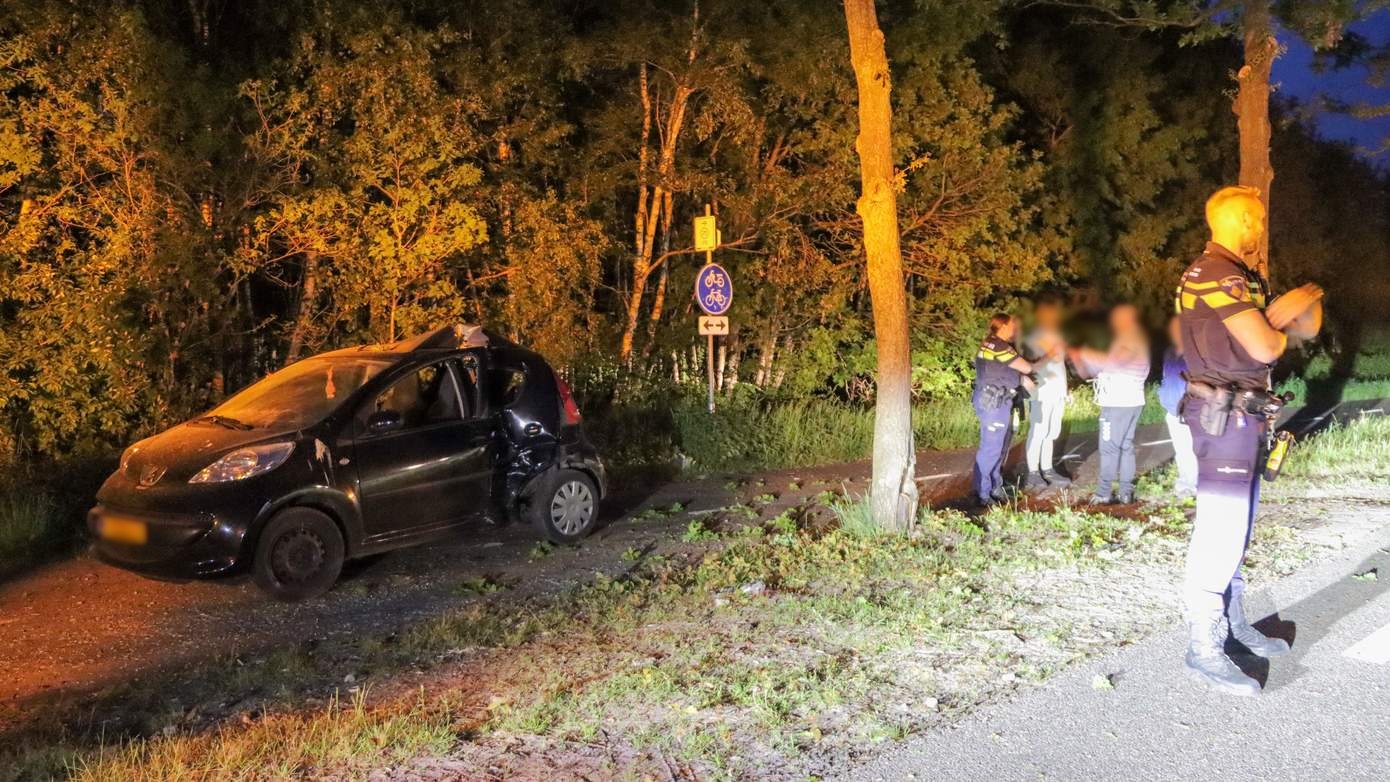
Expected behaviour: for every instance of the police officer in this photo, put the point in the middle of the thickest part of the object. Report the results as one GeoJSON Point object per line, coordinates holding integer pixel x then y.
{"type": "Point", "coordinates": [999, 370]}
{"type": "Point", "coordinates": [1231, 339]}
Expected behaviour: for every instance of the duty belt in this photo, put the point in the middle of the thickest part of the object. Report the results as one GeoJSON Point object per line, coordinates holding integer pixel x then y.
{"type": "Point", "coordinates": [1219, 401]}
{"type": "Point", "coordinates": [1255, 402]}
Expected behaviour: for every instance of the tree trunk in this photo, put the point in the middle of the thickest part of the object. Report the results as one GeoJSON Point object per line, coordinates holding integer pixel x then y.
{"type": "Point", "coordinates": [308, 292]}
{"type": "Point", "coordinates": [721, 362]}
{"type": "Point", "coordinates": [654, 197]}
{"type": "Point", "coordinates": [1252, 107]}
{"type": "Point", "coordinates": [659, 304]}
{"type": "Point", "coordinates": [780, 373]}
{"type": "Point", "coordinates": [893, 492]}
{"type": "Point", "coordinates": [767, 348]}
{"type": "Point", "coordinates": [735, 358]}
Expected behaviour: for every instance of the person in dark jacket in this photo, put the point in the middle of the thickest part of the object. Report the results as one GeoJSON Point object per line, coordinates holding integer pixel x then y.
{"type": "Point", "coordinates": [999, 371]}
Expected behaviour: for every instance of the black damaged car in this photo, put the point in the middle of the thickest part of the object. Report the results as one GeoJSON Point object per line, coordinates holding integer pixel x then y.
{"type": "Point", "coordinates": [351, 453]}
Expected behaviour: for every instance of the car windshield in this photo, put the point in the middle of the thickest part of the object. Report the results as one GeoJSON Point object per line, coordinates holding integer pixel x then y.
{"type": "Point", "coordinates": [297, 396]}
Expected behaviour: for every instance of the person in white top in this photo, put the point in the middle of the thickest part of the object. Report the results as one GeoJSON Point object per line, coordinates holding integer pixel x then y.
{"type": "Point", "coordinates": [1046, 350]}
{"type": "Point", "coordinates": [1119, 376]}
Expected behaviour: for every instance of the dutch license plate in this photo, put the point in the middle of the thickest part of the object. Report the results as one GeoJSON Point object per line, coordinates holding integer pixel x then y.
{"type": "Point", "coordinates": [123, 530]}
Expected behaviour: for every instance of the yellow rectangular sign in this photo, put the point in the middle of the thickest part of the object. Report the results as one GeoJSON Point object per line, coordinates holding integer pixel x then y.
{"type": "Point", "coordinates": [706, 234]}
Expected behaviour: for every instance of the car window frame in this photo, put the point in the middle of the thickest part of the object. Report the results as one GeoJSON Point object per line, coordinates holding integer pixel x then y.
{"type": "Point", "coordinates": [479, 407]}
{"type": "Point", "coordinates": [368, 405]}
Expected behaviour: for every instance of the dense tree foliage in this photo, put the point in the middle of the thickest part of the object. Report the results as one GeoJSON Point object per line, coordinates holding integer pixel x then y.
{"type": "Point", "coordinates": [193, 194]}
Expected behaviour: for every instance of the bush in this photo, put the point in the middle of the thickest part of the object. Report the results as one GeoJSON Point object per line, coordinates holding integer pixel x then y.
{"type": "Point", "coordinates": [43, 508]}
{"type": "Point", "coordinates": [30, 522]}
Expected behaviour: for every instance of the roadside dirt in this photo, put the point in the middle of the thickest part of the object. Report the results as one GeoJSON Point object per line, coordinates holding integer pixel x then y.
{"type": "Point", "coordinates": [76, 630]}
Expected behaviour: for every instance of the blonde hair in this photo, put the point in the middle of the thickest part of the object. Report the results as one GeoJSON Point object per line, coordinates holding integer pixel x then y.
{"type": "Point", "coordinates": [1221, 198]}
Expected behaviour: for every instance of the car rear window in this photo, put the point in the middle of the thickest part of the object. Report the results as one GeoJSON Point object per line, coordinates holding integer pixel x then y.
{"type": "Point", "coordinates": [507, 384]}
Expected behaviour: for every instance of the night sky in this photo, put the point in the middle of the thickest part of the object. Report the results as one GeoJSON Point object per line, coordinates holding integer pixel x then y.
{"type": "Point", "coordinates": [1295, 74]}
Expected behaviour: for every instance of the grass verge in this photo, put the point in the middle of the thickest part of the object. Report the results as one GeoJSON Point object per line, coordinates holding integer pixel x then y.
{"type": "Point", "coordinates": [749, 434]}
{"type": "Point", "coordinates": [1344, 458]}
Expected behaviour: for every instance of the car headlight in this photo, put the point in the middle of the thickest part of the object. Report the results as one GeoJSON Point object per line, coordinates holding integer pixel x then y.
{"type": "Point", "coordinates": [244, 463]}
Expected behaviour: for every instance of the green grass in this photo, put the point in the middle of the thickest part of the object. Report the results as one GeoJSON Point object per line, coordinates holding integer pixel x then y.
{"type": "Point", "coordinates": [43, 506]}
{"type": "Point", "coordinates": [750, 435]}
{"type": "Point", "coordinates": [31, 523]}
{"type": "Point", "coordinates": [1345, 457]}
{"type": "Point", "coordinates": [341, 740]}
{"type": "Point", "coordinates": [856, 516]}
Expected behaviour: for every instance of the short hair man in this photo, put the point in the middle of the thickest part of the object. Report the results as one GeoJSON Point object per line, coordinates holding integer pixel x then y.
{"type": "Point", "coordinates": [1230, 340]}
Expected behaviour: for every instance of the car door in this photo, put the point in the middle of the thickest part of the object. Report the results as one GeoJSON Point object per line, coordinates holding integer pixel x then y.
{"type": "Point", "coordinates": [435, 468]}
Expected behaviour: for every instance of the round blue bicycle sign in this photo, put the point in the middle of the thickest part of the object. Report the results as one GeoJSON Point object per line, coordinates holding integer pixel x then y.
{"type": "Point", "coordinates": [714, 289]}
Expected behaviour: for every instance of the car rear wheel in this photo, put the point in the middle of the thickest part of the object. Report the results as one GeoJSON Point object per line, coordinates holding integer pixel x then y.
{"type": "Point", "coordinates": [564, 506]}
{"type": "Point", "coordinates": [299, 555]}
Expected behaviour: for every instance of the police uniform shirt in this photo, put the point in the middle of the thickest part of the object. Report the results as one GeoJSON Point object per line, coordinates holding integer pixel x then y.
{"type": "Point", "coordinates": [992, 364]}
{"type": "Point", "coordinates": [1217, 287]}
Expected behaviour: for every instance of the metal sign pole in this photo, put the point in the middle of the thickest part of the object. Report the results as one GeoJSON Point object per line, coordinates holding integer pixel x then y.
{"type": "Point", "coordinates": [709, 352]}
{"type": "Point", "coordinates": [714, 292]}
{"type": "Point", "coordinates": [710, 361]}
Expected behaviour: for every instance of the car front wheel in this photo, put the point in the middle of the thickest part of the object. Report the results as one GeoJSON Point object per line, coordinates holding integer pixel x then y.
{"type": "Point", "coordinates": [299, 555]}
{"type": "Point", "coordinates": [564, 506]}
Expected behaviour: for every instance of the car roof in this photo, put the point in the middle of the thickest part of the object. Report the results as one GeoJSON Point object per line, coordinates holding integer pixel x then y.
{"type": "Point", "coordinates": [443, 339]}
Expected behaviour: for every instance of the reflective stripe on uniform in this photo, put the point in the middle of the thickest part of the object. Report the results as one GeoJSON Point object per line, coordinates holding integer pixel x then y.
{"type": "Point", "coordinates": [1218, 299]}
{"type": "Point", "coordinates": [1189, 292]}
{"type": "Point", "coordinates": [1002, 356]}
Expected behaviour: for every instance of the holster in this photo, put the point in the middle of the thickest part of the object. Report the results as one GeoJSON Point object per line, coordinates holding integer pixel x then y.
{"type": "Point", "coordinates": [1215, 403]}
{"type": "Point", "coordinates": [993, 397]}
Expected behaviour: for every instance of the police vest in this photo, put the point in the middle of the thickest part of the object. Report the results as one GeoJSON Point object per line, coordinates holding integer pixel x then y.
{"type": "Point", "coordinates": [992, 364]}
{"type": "Point", "coordinates": [1217, 287]}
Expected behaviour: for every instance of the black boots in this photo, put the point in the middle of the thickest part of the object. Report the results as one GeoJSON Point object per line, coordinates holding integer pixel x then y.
{"type": "Point", "coordinates": [1252, 639]}
{"type": "Point", "coordinates": [1208, 663]}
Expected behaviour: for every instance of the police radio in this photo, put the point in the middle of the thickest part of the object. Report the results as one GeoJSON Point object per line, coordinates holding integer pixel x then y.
{"type": "Point", "coordinates": [1282, 442]}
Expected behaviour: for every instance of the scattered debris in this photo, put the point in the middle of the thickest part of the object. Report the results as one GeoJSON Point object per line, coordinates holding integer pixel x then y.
{"type": "Point", "coordinates": [1369, 575]}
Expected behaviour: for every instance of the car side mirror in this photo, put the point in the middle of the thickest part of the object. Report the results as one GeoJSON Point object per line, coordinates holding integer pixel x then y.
{"type": "Point", "coordinates": [384, 421]}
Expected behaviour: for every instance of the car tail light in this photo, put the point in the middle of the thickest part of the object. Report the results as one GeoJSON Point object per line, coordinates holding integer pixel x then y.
{"type": "Point", "coordinates": [567, 403]}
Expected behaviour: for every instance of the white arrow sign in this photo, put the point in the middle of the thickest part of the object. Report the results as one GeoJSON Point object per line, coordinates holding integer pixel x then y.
{"type": "Point", "coordinates": [716, 325]}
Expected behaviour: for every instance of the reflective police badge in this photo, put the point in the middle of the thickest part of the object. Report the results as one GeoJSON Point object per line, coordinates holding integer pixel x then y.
{"type": "Point", "coordinates": [1236, 287]}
